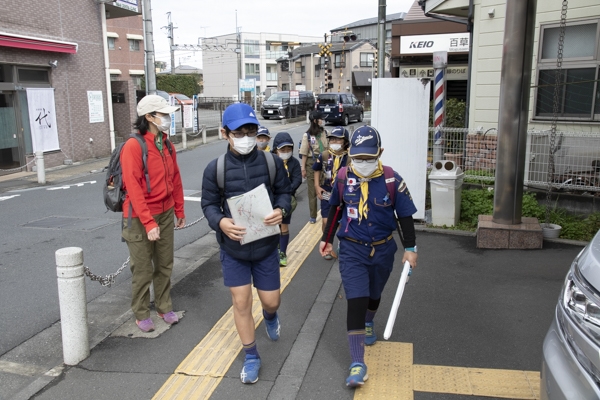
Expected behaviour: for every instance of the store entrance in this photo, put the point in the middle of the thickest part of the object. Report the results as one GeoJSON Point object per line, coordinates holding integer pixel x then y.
{"type": "Point", "coordinates": [10, 155]}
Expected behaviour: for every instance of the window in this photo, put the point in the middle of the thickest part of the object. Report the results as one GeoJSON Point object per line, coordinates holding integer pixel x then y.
{"type": "Point", "coordinates": [579, 92]}
{"type": "Point", "coordinates": [339, 61]}
{"type": "Point", "coordinates": [111, 43]}
{"type": "Point", "coordinates": [134, 45]}
{"type": "Point", "coordinates": [285, 66]}
{"type": "Point", "coordinates": [271, 73]}
{"type": "Point", "coordinates": [137, 82]}
{"type": "Point", "coordinates": [303, 71]}
{"type": "Point", "coordinates": [251, 48]}
{"type": "Point", "coordinates": [33, 75]}
{"type": "Point", "coordinates": [298, 67]}
{"type": "Point", "coordinates": [366, 59]}
{"type": "Point", "coordinates": [317, 70]}
{"type": "Point", "coordinates": [252, 69]}
{"type": "Point", "coordinates": [6, 73]}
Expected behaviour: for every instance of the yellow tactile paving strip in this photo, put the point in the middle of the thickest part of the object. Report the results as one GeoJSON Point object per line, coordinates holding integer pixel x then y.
{"type": "Point", "coordinates": [393, 375]}
{"type": "Point", "coordinates": [201, 371]}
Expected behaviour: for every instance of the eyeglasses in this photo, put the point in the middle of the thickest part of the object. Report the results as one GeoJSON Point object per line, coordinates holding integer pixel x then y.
{"type": "Point", "coordinates": [362, 160]}
{"type": "Point", "coordinates": [241, 134]}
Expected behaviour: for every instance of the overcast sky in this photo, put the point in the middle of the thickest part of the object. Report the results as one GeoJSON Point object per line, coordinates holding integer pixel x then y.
{"type": "Point", "coordinates": [201, 18]}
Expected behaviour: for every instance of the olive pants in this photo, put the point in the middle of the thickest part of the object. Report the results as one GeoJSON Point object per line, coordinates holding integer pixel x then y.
{"type": "Point", "coordinates": [150, 262]}
{"type": "Point", "coordinates": [312, 193]}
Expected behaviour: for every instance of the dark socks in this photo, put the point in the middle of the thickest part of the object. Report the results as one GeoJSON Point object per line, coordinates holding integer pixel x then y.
{"type": "Point", "coordinates": [251, 350]}
{"type": "Point", "coordinates": [370, 315]}
{"type": "Point", "coordinates": [284, 239]}
{"type": "Point", "coordinates": [356, 341]}
{"type": "Point", "coordinates": [372, 309]}
{"type": "Point", "coordinates": [268, 316]}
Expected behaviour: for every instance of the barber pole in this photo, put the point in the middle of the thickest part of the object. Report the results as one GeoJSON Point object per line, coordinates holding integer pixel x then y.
{"type": "Point", "coordinates": [440, 60]}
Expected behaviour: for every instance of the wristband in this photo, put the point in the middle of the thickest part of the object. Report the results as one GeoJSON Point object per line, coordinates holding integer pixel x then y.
{"type": "Point", "coordinates": [411, 249]}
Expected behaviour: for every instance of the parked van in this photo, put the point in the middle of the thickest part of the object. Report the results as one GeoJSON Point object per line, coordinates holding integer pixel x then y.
{"type": "Point", "coordinates": [340, 108]}
{"type": "Point", "coordinates": [277, 105]}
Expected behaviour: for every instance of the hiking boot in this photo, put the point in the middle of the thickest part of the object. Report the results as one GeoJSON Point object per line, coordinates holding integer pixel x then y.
{"type": "Point", "coordinates": [358, 375]}
{"type": "Point", "coordinates": [170, 318]}
{"type": "Point", "coordinates": [312, 220]}
{"type": "Point", "coordinates": [250, 369]}
{"type": "Point", "coordinates": [282, 259]}
{"type": "Point", "coordinates": [145, 325]}
{"type": "Point", "coordinates": [273, 328]}
{"type": "Point", "coordinates": [370, 336]}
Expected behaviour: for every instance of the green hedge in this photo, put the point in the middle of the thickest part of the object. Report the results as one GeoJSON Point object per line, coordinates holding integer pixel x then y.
{"type": "Point", "coordinates": [185, 84]}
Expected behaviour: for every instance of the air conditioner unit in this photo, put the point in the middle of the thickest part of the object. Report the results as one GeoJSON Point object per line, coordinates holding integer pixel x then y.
{"type": "Point", "coordinates": [395, 63]}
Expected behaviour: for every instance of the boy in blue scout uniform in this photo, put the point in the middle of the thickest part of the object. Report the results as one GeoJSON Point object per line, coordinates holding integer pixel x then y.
{"type": "Point", "coordinates": [336, 157]}
{"type": "Point", "coordinates": [367, 247]}
{"type": "Point", "coordinates": [263, 138]}
{"type": "Point", "coordinates": [253, 263]}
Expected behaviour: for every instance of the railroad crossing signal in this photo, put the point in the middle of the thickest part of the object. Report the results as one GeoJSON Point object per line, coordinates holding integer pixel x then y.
{"type": "Point", "coordinates": [325, 49]}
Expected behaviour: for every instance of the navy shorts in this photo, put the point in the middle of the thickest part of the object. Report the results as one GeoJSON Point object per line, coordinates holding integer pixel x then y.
{"type": "Point", "coordinates": [364, 276]}
{"type": "Point", "coordinates": [263, 273]}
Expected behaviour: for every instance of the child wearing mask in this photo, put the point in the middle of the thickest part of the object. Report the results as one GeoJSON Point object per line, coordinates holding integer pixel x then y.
{"type": "Point", "coordinates": [314, 142]}
{"type": "Point", "coordinates": [283, 146]}
{"type": "Point", "coordinates": [262, 139]}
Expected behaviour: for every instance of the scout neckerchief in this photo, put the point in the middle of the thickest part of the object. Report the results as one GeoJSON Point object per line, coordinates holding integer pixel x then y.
{"type": "Point", "coordinates": [338, 156]}
{"type": "Point", "coordinates": [267, 148]}
{"type": "Point", "coordinates": [363, 207]}
{"type": "Point", "coordinates": [286, 167]}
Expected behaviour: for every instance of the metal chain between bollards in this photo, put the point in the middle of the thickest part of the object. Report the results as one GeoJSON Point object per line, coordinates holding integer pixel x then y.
{"type": "Point", "coordinates": [109, 279]}
{"type": "Point", "coordinates": [18, 168]}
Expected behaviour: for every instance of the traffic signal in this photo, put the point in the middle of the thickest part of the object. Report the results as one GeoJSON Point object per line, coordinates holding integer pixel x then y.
{"type": "Point", "coordinates": [350, 37]}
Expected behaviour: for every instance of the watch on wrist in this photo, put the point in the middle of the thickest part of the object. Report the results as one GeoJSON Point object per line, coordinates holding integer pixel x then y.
{"type": "Point", "coordinates": [412, 249]}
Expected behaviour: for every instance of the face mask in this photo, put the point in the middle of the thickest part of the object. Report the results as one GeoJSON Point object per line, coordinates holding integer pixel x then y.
{"type": "Point", "coordinates": [244, 145]}
{"type": "Point", "coordinates": [284, 156]}
{"type": "Point", "coordinates": [365, 169]}
{"type": "Point", "coordinates": [262, 145]}
{"type": "Point", "coordinates": [165, 123]}
{"type": "Point", "coordinates": [335, 147]}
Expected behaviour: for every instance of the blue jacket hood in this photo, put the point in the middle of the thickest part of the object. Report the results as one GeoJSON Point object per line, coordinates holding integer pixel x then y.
{"type": "Point", "coordinates": [282, 137]}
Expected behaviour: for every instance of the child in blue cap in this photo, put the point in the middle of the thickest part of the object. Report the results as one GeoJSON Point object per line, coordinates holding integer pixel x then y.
{"type": "Point", "coordinates": [368, 197]}
{"type": "Point", "coordinates": [256, 263]}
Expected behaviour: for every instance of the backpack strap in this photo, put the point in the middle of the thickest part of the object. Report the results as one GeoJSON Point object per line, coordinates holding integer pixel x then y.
{"type": "Point", "coordinates": [271, 167]}
{"type": "Point", "coordinates": [221, 177]}
{"type": "Point", "coordinates": [169, 146]}
{"type": "Point", "coordinates": [144, 147]}
{"type": "Point", "coordinates": [390, 182]}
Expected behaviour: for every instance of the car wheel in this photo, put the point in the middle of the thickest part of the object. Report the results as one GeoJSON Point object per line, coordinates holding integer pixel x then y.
{"type": "Point", "coordinates": [360, 117]}
{"type": "Point", "coordinates": [345, 120]}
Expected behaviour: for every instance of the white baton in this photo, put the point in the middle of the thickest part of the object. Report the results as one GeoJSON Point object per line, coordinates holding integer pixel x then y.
{"type": "Point", "coordinates": [396, 304]}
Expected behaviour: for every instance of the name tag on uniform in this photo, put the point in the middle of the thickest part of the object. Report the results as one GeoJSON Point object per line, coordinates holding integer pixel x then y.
{"type": "Point", "coordinates": [352, 212]}
{"type": "Point", "coordinates": [313, 140]}
{"type": "Point", "coordinates": [390, 180]}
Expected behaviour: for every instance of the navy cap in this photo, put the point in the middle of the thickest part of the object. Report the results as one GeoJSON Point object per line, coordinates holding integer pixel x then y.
{"type": "Point", "coordinates": [339, 132]}
{"type": "Point", "coordinates": [239, 114]}
{"type": "Point", "coordinates": [283, 144]}
{"type": "Point", "coordinates": [365, 141]}
{"type": "Point", "coordinates": [262, 130]}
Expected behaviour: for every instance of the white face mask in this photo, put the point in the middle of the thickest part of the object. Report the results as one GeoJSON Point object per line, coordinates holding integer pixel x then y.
{"type": "Point", "coordinates": [284, 156]}
{"type": "Point", "coordinates": [262, 145]}
{"type": "Point", "coordinates": [165, 123]}
{"type": "Point", "coordinates": [365, 169]}
{"type": "Point", "coordinates": [335, 147]}
{"type": "Point", "coordinates": [244, 145]}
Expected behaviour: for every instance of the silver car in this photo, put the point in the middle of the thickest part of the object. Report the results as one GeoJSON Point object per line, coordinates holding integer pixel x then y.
{"type": "Point", "coordinates": [571, 352]}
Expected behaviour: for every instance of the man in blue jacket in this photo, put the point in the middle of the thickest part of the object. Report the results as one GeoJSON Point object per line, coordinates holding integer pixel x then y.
{"type": "Point", "coordinates": [257, 262]}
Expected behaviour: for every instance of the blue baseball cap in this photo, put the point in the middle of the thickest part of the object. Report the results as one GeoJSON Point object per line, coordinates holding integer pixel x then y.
{"type": "Point", "coordinates": [262, 130]}
{"type": "Point", "coordinates": [239, 114]}
{"type": "Point", "coordinates": [365, 141]}
{"type": "Point", "coordinates": [339, 132]}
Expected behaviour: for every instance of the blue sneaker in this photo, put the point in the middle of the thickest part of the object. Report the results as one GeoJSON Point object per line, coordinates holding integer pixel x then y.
{"type": "Point", "coordinates": [370, 336]}
{"type": "Point", "coordinates": [273, 328]}
{"type": "Point", "coordinates": [312, 220]}
{"type": "Point", "coordinates": [358, 375]}
{"type": "Point", "coordinates": [250, 369]}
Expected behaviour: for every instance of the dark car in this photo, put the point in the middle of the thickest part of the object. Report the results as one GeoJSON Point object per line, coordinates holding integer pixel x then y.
{"type": "Point", "coordinates": [340, 108]}
{"type": "Point", "coordinates": [277, 105]}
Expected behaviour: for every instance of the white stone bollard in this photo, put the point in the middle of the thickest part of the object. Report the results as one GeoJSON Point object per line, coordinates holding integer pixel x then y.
{"type": "Point", "coordinates": [203, 134]}
{"type": "Point", "coordinates": [73, 304]}
{"type": "Point", "coordinates": [41, 169]}
{"type": "Point", "coordinates": [184, 138]}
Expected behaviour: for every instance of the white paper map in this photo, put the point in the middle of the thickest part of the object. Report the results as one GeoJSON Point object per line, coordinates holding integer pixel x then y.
{"type": "Point", "coordinates": [249, 210]}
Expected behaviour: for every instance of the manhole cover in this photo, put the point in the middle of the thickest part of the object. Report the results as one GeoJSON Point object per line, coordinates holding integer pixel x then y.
{"type": "Point", "coordinates": [70, 223]}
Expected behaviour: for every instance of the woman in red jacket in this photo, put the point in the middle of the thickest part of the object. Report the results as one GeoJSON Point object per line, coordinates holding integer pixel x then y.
{"type": "Point", "coordinates": [149, 230]}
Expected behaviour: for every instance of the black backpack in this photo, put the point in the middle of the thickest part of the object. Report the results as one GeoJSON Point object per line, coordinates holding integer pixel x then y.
{"type": "Point", "coordinates": [114, 194]}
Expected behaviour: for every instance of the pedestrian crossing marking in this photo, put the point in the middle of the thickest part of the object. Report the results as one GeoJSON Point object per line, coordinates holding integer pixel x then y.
{"type": "Point", "coordinates": [201, 371]}
{"type": "Point", "coordinates": [392, 374]}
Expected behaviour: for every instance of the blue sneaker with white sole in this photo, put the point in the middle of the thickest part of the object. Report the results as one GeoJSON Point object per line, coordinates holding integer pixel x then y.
{"type": "Point", "coordinates": [250, 369]}
{"type": "Point", "coordinates": [370, 336]}
{"type": "Point", "coordinates": [358, 375]}
{"type": "Point", "coordinates": [273, 328]}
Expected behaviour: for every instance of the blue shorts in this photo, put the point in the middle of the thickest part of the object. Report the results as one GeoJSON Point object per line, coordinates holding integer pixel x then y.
{"type": "Point", "coordinates": [364, 276]}
{"type": "Point", "coordinates": [264, 273]}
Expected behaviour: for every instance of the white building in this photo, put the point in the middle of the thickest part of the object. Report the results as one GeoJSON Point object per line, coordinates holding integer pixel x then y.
{"type": "Point", "coordinates": [257, 54]}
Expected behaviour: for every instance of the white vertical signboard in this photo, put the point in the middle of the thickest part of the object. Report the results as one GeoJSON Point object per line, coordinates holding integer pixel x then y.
{"type": "Point", "coordinates": [188, 119]}
{"type": "Point", "coordinates": [96, 108]}
{"type": "Point", "coordinates": [42, 119]}
{"type": "Point", "coordinates": [173, 128]}
{"type": "Point", "coordinates": [401, 115]}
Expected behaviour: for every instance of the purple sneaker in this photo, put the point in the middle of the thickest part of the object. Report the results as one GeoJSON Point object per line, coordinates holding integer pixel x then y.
{"type": "Point", "coordinates": [145, 325]}
{"type": "Point", "coordinates": [170, 318]}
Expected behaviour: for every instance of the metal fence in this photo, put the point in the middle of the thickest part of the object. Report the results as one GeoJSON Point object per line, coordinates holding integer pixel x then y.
{"type": "Point", "coordinates": [576, 157]}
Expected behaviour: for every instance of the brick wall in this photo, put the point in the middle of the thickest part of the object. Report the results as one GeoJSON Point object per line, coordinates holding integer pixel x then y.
{"type": "Point", "coordinates": [481, 152]}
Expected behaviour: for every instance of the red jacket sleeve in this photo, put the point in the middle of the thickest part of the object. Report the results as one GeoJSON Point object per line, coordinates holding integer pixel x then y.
{"type": "Point", "coordinates": [177, 187]}
{"type": "Point", "coordinates": [135, 182]}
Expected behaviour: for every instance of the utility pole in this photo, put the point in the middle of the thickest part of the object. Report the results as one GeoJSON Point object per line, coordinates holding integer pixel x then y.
{"type": "Point", "coordinates": [238, 51]}
{"type": "Point", "coordinates": [149, 48]}
{"type": "Point", "coordinates": [171, 37]}
{"type": "Point", "coordinates": [381, 39]}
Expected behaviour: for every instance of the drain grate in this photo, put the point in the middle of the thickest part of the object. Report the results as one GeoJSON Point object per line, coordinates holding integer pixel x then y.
{"type": "Point", "coordinates": [70, 223]}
